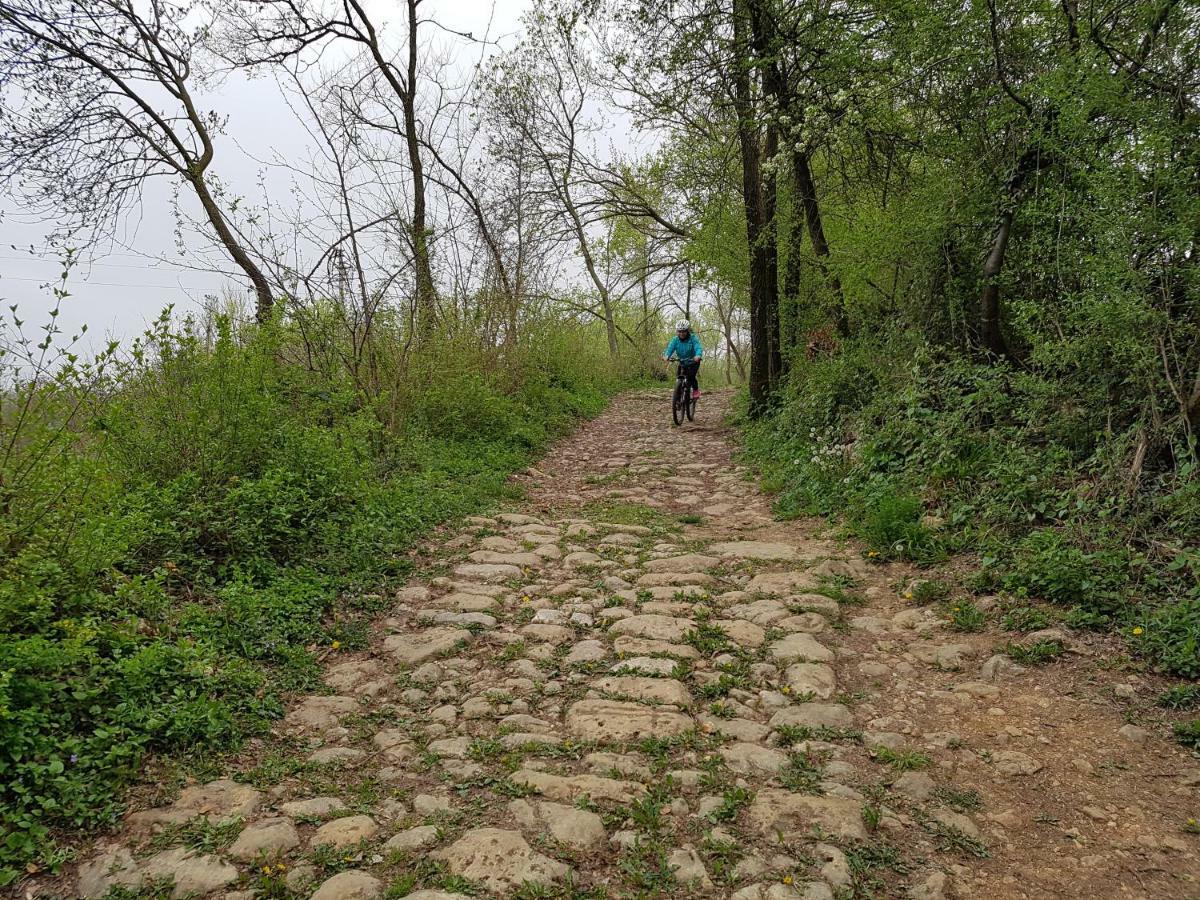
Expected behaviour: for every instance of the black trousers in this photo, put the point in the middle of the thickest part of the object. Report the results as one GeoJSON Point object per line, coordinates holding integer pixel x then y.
{"type": "Point", "coordinates": [690, 369]}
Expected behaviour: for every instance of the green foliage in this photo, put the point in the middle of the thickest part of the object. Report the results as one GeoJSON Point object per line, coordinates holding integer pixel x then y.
{"type": "Point", "coordinates": [1025, 618]}
{"type": "Point", "coordinates": [1171, 637]}
{"type": "Point", "coordinates": [966, 616]}
{"type": "Point", "coordinates": [1188, 734]}
{"type": "Point", "coordinates": [1181, 696]}
{"type": "Point", "coordinates": [187, 526]}
{"type": "Point", "coordinates": [923, 452]}
{"type": "Point", "coordinates": [1037, 653]}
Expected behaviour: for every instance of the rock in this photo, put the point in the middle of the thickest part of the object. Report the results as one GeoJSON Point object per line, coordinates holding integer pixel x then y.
{"type": "Point", "coordinates": [792, 816]}
{"type": "Point", "coordinates": [814, 715]}
{"type": "Point", "coordinates": [753, 759]}
{"type": "Point", "coordinates": [265, 838]}
{"type": "Point", "coordinates": [663, 579]}
{"type": "Point", "coordinates": [931, 887]}
{"type": "Point", "coordinates": [517, 560]}
{"type": "Point", "coordinates": [754, 550]}
{"type": "Point", "coordinates": [413, 839]}
{"type": "Point", "coordinates": [760, 612]}
{"type": "Point", "coordinates": [781, 583]}
{"type": "Point", "coordinates": [576, 828]}
{"type": "Point", "coordinates": [914, 785]}
{"type": "Point", "coordinates": [649, 690]}
{"type": "Point", "coordinates": [345, 832]}
{"type": "Point", "coordinates": [999, 666]}
{"type": "Point", "coordinates": [943, 656]}
{"type": "Point", "coordinates": [835, 868]}
{"type": "Point", "coordinates": [314, 807]}
{"type": "Point", "coordinates": [689, 869]}
{"type": "Point", "coordinates": [487, 572]}
{"type": "Point", "coordinates": [808, 622]}
{"type": "Point", "coordinates": [649, 665]}
{"type": "Point", "coordinates": [570, 788]}
{"type": "Point", "coordinates": [106, 870]}
{"type": "Point", "coordinates": [958, 822]}
{"type": "Point", "coordinates": [192, 873]}
{"type": "Point", "coordinates": [814, 679]}
{"type": "Point", "coordinates": [1013, 763]}
{"type": "Point", "coordinates": [745, 634]}
{"type": "Point", "coordinates": [585, 652]}
{"type": "Point", "coordinates": [690, 562]}
{"type": "Point", "coordinates": [611, 720]}
{"type": "Point", "coordinates": [980, 690]}
{"type": "Point", "coordinates": [327, 755]}
{"type": "Point", "coordinates": [738, 729]}
{"type": "Point", "coordinates": [500, 860]}
{"type": "Point", "coordinates": [222, 799]}
{"type": "Point", "coordinates": [1124, 691]}
{"type": "Point", "coordinates": [800, 647]}
{"type": "Point", "coordinates": [582, 558]}
{"type": "Point", "coordinates": [416, 648]}
{"type": "Point", "coordinates": [1133, 734]}
{"type": "Point", "coordinates": [652, 627]}
{"type": "Point", "coordinates": [429, 804]}
{"type": "Point", "coordinates": [352, 884]}
{"type": "Point", "coordinates": [345, 676]}
{"type": "Point", "coordinates": [870, 624]}
{"type": "Point", "coordinates": [462, 602]}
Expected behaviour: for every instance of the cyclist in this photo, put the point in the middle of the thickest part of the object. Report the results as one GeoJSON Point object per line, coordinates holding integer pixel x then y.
{"type": "Point", "coordinates": [686, 346]}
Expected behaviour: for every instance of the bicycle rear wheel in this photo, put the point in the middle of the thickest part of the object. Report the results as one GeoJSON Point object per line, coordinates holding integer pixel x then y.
{"type": "Point", "coordinates": [678, 403]}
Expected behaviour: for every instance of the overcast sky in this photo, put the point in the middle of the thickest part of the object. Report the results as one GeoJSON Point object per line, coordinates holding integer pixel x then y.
{"type": "Point", "coordinates": [118, 289]}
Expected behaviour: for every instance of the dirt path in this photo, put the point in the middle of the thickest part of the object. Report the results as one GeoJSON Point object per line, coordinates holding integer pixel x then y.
{"type": "Point", "coordinates": [639, 684]}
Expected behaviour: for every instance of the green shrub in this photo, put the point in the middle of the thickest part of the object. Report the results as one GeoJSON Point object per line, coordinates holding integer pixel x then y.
{"type": "Point", "coordinates": [1170, 638]}
{"type": "Point", "coordinates": [890, 524]}
{"type": "Point", "coordinates": [966, 616]}
{"type": "Point", "coordinates": [1188, 733]}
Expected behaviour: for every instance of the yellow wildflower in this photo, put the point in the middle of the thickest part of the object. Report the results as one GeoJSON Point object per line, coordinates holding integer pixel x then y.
{"type": "Point", "coordinates": [336, 645]}
{"type": "Point", "coordinates": [787, 879]}
{"type": "Point", "coordinates": [785, 689]}
{"type": "Point", "coordinates": [1138, 630]}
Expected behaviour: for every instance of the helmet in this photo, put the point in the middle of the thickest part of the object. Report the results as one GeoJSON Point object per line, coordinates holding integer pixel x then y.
{"type": "Point", "coordinates": [683, 325]}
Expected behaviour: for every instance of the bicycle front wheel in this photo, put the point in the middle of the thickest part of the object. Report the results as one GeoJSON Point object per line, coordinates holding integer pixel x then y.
{"type": "Point", "coordinates": [691, 407]}
{"type": "Point", "coordinates": [678, 403]}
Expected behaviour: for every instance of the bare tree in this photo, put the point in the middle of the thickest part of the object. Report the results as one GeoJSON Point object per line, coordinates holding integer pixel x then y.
{"type": "Point", "coordinates": [538, 98]}
{"type": "Point", "coordinates": [98, 97]}
{"type": "Point", "coordinates": [281, 29]}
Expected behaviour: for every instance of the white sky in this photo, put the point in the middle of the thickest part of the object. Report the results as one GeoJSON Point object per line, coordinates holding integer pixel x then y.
{"type": "Point", "coordinates": [118, 290]}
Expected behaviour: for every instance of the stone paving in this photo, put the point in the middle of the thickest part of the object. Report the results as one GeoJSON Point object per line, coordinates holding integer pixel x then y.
{"type": "Point", "coordinates": [639, 684]}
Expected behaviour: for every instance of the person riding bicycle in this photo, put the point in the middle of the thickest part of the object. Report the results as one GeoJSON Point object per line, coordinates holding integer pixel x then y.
{"type": "Point", "coordinates": [686, 346]}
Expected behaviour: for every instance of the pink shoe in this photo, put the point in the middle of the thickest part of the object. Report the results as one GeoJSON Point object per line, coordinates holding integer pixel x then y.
{"type": "Point", "coordinates": [696, 394]}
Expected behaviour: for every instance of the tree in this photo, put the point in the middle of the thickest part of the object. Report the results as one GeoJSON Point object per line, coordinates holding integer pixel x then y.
{"type": "Point", "coordinates": [99, 98]}
{"type": "Point", "coordinates": [282, 29]}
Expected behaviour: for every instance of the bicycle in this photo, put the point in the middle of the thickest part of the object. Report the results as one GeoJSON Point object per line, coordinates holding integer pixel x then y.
{"type": "Point", "coordinates": [682, 402]}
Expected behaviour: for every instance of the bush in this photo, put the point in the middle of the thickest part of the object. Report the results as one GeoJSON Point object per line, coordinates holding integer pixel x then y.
{"type": "Point", "coordinates": [1027, 469]}
{"type": "Point", "coordinates": [1170, 637]}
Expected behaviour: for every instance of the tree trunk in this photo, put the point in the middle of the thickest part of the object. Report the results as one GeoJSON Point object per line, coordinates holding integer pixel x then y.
{"type": "Point", "coordinates": [990, 334]}
{"type": "Point", "coordinates": [426, 295]}
{"type": "Point", "coordinates": [763, 271]}
{"type": "Point", "coordinates": [807, 189]}
{"type": "Point", "coordinates": [263, 299]}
